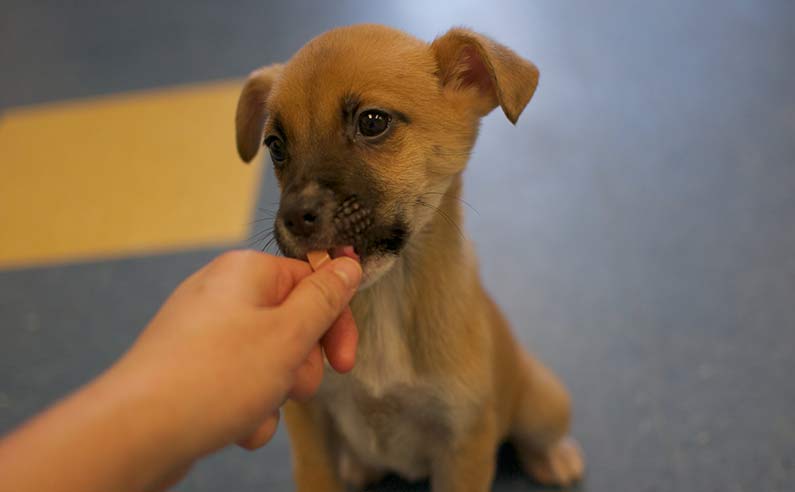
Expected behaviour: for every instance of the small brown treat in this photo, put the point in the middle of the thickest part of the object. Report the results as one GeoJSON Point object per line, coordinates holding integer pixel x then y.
{"type": "Point", "coordinates": [317, 259]}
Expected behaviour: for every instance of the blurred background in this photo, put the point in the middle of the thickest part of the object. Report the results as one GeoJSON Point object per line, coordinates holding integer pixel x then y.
{"type": "Point", "coordinates": [637, 225]}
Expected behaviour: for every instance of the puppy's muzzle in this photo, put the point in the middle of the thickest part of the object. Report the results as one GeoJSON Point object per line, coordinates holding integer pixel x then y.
{"type": "Point", "coordinates": [315, 218]}
{"type": "Point", "coordinates": [302, 217]}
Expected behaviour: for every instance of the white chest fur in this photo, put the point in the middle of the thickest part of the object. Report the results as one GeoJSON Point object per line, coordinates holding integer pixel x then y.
{"type": "Point", "coordinates": [386, 414]}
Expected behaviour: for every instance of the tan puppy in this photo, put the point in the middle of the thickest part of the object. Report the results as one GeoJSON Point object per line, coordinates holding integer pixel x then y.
{"type": "Point", "coordinates": [369, 130]}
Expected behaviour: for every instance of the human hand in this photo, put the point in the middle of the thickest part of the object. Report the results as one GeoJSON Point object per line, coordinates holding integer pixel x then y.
{"type": "Point", "coordinates": [236, 339]}
{"type": "Point", "coordinates": [232, 342]}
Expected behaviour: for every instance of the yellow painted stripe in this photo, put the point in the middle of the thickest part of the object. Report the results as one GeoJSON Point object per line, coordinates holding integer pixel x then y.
{"type": "Point", "coordinates": [126, 174]}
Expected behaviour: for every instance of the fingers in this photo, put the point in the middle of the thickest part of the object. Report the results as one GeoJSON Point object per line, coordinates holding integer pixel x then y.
{"type": "Point", "coordinates": [290, 273]}
{"type": "Point", "coordinates": [263, 434]}
{"type": "Point", "coordinates": [254, 277]}
{"type": "Point", "coordinates": [339, 345]}
{"type": "Point", "coordinates": [318, 300]}
{"type": "Point", "coordinates": [308, 376]}
{"type": "Point", "coordinates": [339, 342]}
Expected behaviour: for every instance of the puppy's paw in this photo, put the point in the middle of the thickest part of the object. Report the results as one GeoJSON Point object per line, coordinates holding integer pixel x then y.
{"type": "Point", "coordinates": [562, 464]}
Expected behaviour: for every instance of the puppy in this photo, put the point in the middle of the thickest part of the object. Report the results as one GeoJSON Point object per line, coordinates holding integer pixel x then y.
{"type": "Point", "coordinates": [369, 131]}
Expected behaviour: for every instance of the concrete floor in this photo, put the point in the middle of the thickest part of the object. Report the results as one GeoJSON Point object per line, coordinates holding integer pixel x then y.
{"type": "Point", "coordinates": [638, 225]}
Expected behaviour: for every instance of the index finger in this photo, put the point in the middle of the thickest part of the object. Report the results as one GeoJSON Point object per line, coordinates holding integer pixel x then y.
{"type": "Point", "coordinates": [289, 273]}
{"type": "Point", "coordinates": [340, 341]}
{"type": "Point", "coordinates": [253, 277]}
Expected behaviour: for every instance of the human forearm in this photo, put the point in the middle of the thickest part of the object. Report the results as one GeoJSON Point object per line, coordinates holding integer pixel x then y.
{"type": "Point", "coordinates": [113, 434]}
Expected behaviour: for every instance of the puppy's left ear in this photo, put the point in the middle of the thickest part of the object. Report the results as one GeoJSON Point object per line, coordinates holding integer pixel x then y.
{"type": "Point", "coordinates": [485, 72]}
{"type": "Point", "coordinates": [251, 112]}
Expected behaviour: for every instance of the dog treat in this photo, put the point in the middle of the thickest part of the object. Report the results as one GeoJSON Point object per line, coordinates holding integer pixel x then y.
{"type": "Point", "coordinates": [317, 258]}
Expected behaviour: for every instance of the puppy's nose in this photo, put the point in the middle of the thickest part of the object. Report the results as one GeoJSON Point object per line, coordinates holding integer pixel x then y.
{"type": "Point", "coordinates": [301, 221]}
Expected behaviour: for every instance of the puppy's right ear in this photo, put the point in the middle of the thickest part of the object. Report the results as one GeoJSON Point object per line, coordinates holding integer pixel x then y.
{"type": "Point", "coordinates": [251, 111]}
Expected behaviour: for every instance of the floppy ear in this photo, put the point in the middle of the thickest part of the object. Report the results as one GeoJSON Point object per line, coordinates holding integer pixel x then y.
{"type": "Point", "coordinates": [251, 111]}
{"type": "Point", "coordinates": [487, 72]}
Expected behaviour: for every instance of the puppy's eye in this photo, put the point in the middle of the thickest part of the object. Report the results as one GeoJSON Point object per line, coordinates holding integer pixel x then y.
{"type": "Point", "coordinates": [276, 147]}
{"type": "Point", "coordinates": [373, 122]}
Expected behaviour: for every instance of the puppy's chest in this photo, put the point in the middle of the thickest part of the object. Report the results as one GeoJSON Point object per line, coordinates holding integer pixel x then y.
{"type": "Point", "coordinates": [385, 412]}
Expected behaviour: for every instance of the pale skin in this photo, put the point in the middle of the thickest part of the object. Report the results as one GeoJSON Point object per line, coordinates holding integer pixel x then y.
{"type": "Point", "coordinates": [228, 347]}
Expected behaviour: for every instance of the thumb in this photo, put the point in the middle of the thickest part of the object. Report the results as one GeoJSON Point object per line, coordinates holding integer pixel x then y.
{"type": "Point", "coordinates": [317, 301]}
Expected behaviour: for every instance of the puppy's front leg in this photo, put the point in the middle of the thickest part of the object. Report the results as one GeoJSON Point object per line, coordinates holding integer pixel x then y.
{"type": "Point", "coordinates": [468, 465]}
{"type": "Point", "coordinates": [313, 467]}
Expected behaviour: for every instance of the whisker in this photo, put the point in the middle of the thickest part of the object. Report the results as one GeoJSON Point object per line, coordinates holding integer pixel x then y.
{"type": "Point", "coordinates": [452, 196]}
{"type": "Point", "coordinates": [263, 219]}
{"type": "Point", "coordinates": [268, 230]}
{"type": "Point", "coordinates": [443, 215]}
{"type": "Point", "coordinates": [259, 236]}
{"type": "Point", "coordinates": [268, 244]}
{"type": "Point", "coordinates": [267, 210]}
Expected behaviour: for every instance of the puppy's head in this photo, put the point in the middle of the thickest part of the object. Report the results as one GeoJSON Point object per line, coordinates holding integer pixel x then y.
{"type": "Point", "coordinates": [366, 128]}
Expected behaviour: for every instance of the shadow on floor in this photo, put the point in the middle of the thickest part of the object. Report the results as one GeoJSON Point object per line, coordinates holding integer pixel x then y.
{"type": "Point", "coordinates": [510, 477]}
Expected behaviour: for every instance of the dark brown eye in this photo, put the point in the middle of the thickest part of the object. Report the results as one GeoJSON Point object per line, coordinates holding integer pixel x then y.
{"type": "Point", "coordinates": [373, 122]}
{"type": "Point", "coordinates": [276, 147]}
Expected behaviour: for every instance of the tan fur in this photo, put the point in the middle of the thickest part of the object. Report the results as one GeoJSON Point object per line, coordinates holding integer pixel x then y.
{"type": "Point", "coordinates": [439, 380]}
{"type": "Point", "coordinates": [251, 112]}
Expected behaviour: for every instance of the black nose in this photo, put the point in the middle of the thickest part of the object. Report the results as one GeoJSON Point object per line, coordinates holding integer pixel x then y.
{"type": "Point", "coordinates": [301, 221]}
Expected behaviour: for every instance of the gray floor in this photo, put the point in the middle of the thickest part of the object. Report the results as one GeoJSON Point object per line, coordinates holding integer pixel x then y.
{"type": "Point", "coordinates": [638, 225]}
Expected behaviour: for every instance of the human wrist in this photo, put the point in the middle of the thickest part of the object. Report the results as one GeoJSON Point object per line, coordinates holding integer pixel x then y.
{"type": "Point", "coordinates": [130, 411]}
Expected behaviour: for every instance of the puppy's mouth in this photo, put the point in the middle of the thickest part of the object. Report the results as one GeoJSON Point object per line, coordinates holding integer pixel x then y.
{"type": "Point", "coordinates": [347, 229]}
{"type": "Point", "coordinates": [343, 251]}
{"type": "Point", "coordinates": [360, 247]}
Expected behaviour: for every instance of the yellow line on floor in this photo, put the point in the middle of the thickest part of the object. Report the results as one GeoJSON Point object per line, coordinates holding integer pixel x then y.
{"type": "Point", "coordinates": [124, 174]}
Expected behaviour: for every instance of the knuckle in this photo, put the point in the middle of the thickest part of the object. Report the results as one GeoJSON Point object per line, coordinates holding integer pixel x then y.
{"type": "Point", "coordinates": [304, 392]}
{"type": "Point", "coordinates": [231, 257]}
{"type": "Point", "coordinates": [248, 445]}
{"type": "Point", "coordinates": [238, 257]}
{"type": "Point", "coordinates": [307, 381]}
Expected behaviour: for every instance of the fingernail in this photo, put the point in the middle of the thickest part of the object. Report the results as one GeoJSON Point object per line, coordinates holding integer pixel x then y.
{"type": "Point", "coordinates": [348, 270]}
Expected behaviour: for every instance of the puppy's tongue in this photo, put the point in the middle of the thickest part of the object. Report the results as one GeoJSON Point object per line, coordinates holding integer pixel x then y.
{"type": "Point", "coordinates": [319, 257]}
{"type": "Point", "coordinates": [341, 251]}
